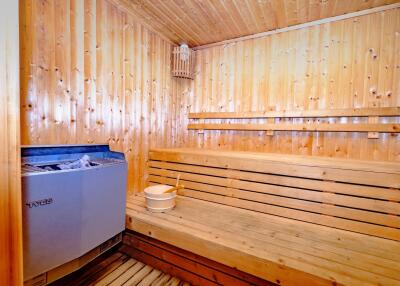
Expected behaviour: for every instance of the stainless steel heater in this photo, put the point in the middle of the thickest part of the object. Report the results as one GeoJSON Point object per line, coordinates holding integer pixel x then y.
{"type": "Point", "coordinates": [73, 207]}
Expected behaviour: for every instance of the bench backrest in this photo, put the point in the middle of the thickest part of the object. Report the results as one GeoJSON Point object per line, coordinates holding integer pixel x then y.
{"type": "Point", "coordinates": [355, 195]}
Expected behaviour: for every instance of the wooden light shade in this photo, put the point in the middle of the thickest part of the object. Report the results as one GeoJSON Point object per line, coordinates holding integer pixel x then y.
{"type": "Point", "coordinates": [183, 62]}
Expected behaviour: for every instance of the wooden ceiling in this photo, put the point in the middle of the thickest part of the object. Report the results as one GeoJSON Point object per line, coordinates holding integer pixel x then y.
{"type": "Point", "coordinates": [199, 22]}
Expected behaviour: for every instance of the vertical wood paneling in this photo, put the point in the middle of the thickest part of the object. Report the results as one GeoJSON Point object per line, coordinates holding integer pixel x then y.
{"type": "Point", "coordinates": [10, 186]}
{"type": "Point", "coordinates": [351, 63]}
{"type": "Point", "coordinates": [91, 74]}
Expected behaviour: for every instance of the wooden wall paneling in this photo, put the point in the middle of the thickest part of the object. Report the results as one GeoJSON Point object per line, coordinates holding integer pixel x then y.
{"type": "Point", "coordinates": [89, 69]}
{"type": "Point", "coordinates": [62, 64]}
{"type": "Point", "coordinates": [144, 104]}
{"type": "Point", "coordinates": [10, 176]}
{"type": "Point", "coordinates": [29, 104]}
{"type": "Point", "coordinates": [129, 90]}
{"type": "Point", "coordinates": [45, 69]}
{"type": "Point", "coordinates": [181, 92]}
{"type": "Point", "coordinates": [372, 59]}
{"type": "Point", "coordinates": [392, 51]}
{"type": "Point", "coordinates": [394, 143]}
{"type": "Point", "coordinates": [212, 88]}
{"type": "Point", "coordinates": [92, 74]}
{"type": "Point", "coordinates": [103, 55]}
{"type": "Point", "coordinates": [174, 103]}
{"type": "Point", "coordinates": [77, 68]}
{"type": "Point", "coordinates": [324, 67]}
{"type": "Point", "coordinates": [137, 36]}
{"type": "Point", "coordinates": [113, 84]}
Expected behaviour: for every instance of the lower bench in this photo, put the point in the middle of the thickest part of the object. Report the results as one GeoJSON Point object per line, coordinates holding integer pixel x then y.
{"type": "Point", "coordinates": [186, 265]}
{"type": "Point", "coordinates": [280, 249]}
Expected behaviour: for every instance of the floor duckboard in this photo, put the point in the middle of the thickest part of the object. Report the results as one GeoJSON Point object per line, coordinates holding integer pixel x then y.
{"type": "Point", "coordinates": [117, 269]}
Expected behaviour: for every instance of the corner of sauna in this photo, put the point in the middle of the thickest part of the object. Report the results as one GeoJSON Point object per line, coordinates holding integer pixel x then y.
{"type": "Point", "coordinates": [193, 142]}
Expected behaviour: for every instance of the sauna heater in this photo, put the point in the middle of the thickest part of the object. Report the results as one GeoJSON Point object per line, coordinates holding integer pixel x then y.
{"type": "Point", "coordinates": [73, 201]}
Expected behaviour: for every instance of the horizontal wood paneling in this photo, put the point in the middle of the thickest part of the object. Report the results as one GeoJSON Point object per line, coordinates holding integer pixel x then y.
{"type": "Point", "coordinates": [10, 185]}
{"type": "Point", "coordinates": [353, 63]}
{"type": "Point", "coordinates": [91, 74]}
{"type": "Point", "coordinates": [208, 21]}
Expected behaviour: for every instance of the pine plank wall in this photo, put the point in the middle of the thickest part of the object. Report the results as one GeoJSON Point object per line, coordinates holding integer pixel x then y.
{"type": "Point", "coordinates": [91, 74]}
{"type": "Point", "coordinates": [10, 183]}
{"type": "Point", "coordinates": [351, 63]}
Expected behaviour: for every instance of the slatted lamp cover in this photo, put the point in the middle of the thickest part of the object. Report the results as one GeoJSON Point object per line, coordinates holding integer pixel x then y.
{"type": "Point", "coordinates": [183, 62]}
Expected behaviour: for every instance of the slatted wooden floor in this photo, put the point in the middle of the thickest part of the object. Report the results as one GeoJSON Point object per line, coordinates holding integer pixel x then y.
{"type": "Point", "coordinates": [115, 269]}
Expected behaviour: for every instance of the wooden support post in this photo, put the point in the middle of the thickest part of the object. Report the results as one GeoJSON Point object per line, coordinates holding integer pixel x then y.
{"type": "Point", "coordinates": [270, 121]}
{"type": "Point", "coordinates": [373, 135]}
{"type": "Point", "coordinates": [197, 121]}
{"type": "Point", "coordinates": [200, 131]}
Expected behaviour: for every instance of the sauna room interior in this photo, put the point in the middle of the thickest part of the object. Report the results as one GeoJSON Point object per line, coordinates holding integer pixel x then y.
{"type": "Point", "coordinates": [199, 142]}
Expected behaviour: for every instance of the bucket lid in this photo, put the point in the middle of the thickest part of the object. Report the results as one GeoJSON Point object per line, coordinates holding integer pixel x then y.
{"type": "Point", "coordinates": [157, 189]}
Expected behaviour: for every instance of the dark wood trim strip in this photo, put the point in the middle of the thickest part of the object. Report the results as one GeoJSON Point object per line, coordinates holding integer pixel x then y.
{"type": "Point", "coordinates": [183, 264]}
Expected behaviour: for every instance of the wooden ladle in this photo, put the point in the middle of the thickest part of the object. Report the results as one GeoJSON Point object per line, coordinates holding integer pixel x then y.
{"type": "Point", "coordinates": [177, 185]}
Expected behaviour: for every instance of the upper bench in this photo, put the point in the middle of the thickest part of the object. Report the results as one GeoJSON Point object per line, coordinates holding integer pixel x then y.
{"type": "Point", "coordinates": [285, 218]}
{"type": "Point", "coordinates": [356, 195]}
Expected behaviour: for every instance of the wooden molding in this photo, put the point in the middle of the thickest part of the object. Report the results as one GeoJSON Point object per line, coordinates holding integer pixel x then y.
{"type": "Point", "coordinates": [349, 112]}
{"type": "Point", "coordinates": [372, 127]}
{"type": "Point", "coordinates": [302, 26]}
{"type": "Point", "coordinates": [328, 127]}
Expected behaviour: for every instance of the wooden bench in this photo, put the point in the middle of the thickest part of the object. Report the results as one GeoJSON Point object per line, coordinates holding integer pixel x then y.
{"type": "Point", "coordinates": [292, 220]}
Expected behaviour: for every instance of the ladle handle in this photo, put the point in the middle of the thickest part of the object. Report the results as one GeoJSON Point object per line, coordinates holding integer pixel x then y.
{"type": "Point", "coordinates": [177, 180]}
{"type": "Point", "coordinates": [177, 186]}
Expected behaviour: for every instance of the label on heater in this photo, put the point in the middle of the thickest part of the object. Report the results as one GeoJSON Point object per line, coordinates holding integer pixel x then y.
{"type": "Point", "coordinates": [39, 203]}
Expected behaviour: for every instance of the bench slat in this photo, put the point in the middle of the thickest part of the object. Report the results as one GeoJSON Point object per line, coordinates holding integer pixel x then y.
{"type": "Point", "coordinates": [314, 207]}
{"type": "Point", "coordinates": [300, 193]}
{"type": "Point", "coordinates": [322, 267]}
{"type": "Point", "coordinates": [268, 230]}
{"type": "Point", "coordinates": [364, 200]}
{"type": "Point", "coordinates": [320, 219]}
{"type": "Point", "coordinates": [285, 218]}
{"type": "Point", "coordinates": [223, 252]}
{"type": "Point", "coordinates": [317, 169]}
{"type": "Point", "coordinates": [304, 160]}
{"type": "Point", "coordinates": [319, 185]}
